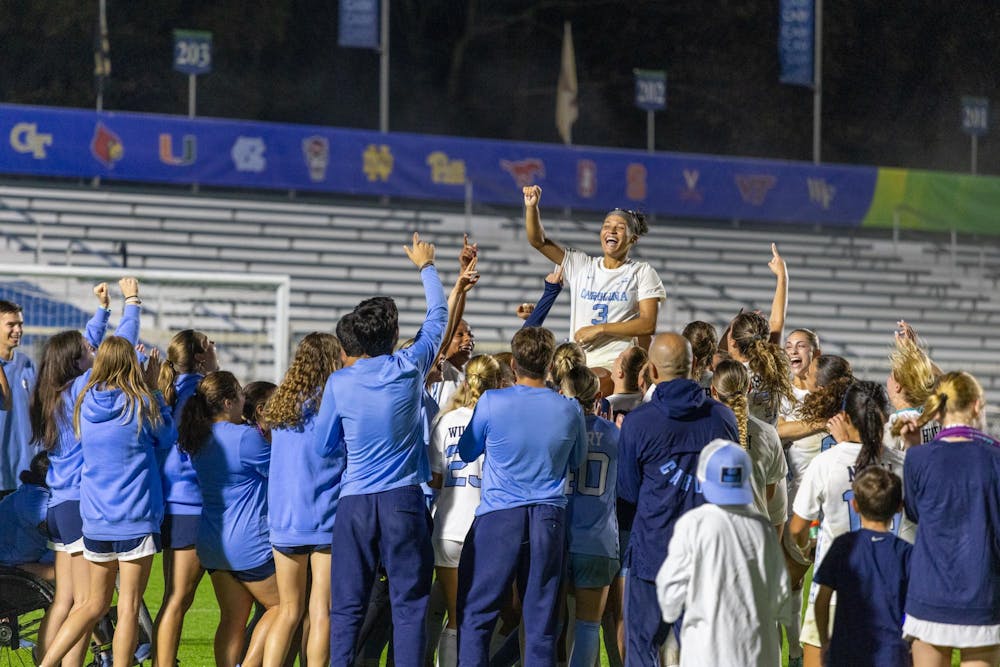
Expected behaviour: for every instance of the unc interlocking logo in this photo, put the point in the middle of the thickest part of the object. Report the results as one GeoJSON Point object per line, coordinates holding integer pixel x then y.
{"type": "Point", "coordinates": [25, 138]}
{"type": "Point", "coordinates": [377, 162]}
{"type": "Point", "coordinates": [754, 187]}
{"type": "Point", "coordinates": [248, 154]}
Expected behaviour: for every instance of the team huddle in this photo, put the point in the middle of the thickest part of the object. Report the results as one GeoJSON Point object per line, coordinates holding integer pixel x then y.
{"type": "Point", "coordinates": [669, 492]}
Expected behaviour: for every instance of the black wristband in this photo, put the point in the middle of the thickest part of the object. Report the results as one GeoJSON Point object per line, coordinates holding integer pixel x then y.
{"type": "Point", "coordinates": [426, 264]}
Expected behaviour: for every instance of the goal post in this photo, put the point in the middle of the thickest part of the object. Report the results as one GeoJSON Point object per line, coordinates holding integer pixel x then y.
{"type": "Point", "coordinates": [247, 315]}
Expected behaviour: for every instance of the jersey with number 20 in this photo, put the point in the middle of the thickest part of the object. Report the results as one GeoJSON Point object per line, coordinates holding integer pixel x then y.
{"type": "Point", "coordinates": [455, 507]}
{"type": "Point", "coordinates": [603, 295]}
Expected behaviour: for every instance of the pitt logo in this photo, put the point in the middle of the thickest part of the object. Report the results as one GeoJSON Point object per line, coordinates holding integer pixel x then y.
{"type": "Point", "coordinates": [377, 162]}
{"type": "Point", "coordinates": [754, 187]}
{"type": "Point", "coordinates": [635, 181]}
{"type": "Point", "coordinates": [106, 146]}
{"type": "Point", "coordinates": [821, 192]}
{"type": "Point", "coordinates": [25, 138]}
{"type": "Point", "coordinates": [188, 155]}
{"type": "Point", "coordinates": [445, 171]}
{"type": "Point", "coordinates": [691, 192]}
{"type": "Point", "coordinates": [586, 178]}
{"type": "Point", "coordinates": [524, 171]}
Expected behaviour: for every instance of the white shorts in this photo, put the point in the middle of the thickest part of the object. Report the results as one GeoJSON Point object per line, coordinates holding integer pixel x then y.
{"type": "Point", "coordinates": [446, 552]}
{"type": "Point", "coordinates": [72, 548]}
{"type": "Point", "coordinates": [124, 550]}
{"type": "Point", "coordinates": [949, 634]}
{"type": "Point", "coordinates": [810, 631]}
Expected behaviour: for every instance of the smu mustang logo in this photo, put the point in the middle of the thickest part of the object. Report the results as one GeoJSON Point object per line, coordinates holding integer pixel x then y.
{"type": "Point", "coordinates": [106, 146]}
{"type": "Point", "coordinates": [524, 171]}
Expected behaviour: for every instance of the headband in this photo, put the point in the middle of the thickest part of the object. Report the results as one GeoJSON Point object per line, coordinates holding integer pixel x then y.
{"type": "Point", "coordinates": [631, 219]}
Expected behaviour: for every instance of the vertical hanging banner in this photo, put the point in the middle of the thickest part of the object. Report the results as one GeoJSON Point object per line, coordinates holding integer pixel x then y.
{"type": "Point", "coordinates": [193, 51]}
{"type": "Point", "coordinates": [567, 111]}
{"type": "Point", "coordinates": [796, 35]}
{"type": "Point", "coordinates": [650, 89]}
{"type": "Point", "coordinates": [975, 115]}
{"type": "Point", "coordinates": [358, 24]}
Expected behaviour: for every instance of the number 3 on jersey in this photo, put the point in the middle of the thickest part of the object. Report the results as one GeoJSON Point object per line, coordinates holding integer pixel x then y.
{"type": "Point", "coordinates": [455, 466]}
{"type": "Point", "coordinates": [602, 313]}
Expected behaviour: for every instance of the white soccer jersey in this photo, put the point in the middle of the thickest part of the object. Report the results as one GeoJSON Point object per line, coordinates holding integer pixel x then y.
{"type": "Point", "coordinates": [456, 504]}
{"type": "Point", "coordinates": [927, 433]}
{"type": "Point", "coordinates": [826, 488]}
{"type": "Point", "coordinates": [768, 460]}
{"type": "Point", "coordinates": [802, 451]}
{"type": "Point", "coordinates": [601, 295]}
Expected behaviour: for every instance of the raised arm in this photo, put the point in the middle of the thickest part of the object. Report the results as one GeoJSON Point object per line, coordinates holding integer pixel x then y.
{"type": "Point", "coordinates": [533, 226]}
{"type": "Point", "coordinates": [779, 305]}
{"type": "Point", "coordinates": [428, 339]}
{"type": "Point", "coordinates": [128, 326]}
{"type": "Point", "coordinates": [536, 314]}
{"type": "Point", "coordinates": [98, 324]}
{"type": "Point", "coordinates": [468, 276]}
{"type": "Point", "coordinates": [329, 434]}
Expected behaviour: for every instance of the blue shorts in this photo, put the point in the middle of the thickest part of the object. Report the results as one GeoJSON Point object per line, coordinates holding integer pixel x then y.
{"type": "Point", "coordinates": [104, 551]}
{"type": "Point", "coordinates": [65, 527]}
{"type": "Point", "coordinates": [302, 550]}
{"type": "Point", "coordinates": [592, 571]}
{"type": "Point", "coordinates": [248, 576]}
{"type": "Point", "coordinates": [179, 531]}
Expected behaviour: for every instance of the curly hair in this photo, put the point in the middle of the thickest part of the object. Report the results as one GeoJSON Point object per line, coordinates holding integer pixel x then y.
{"type": "Point", "coordinates": [482, 373]}
{"type": "Point", "coordinates": [317, 356]}
{"type": "Point", "coordinates": [704, 341]}
{"type": "Point", "coordinates": [912, 369]}
{"type": "Point", "coordinates": [582, 384]}
{"type": "Point", "coordinates": [731, 382]}
{"type": "Point", "coordinates": [566, 357]}
{"type": "Point", "coordinates": [833, 376]}
{"type": "Point", "coordinates": [750, 334]}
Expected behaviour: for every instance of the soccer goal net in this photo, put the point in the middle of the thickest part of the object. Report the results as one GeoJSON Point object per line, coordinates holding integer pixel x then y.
{"type": "Point", "coordinates": [246, 315]}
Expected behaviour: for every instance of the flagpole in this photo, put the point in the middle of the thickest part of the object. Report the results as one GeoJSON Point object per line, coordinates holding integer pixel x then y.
{"type": "Point", "coordinates": [383, 70]}
{"type": "Point", "coordinates": [817, 79]}
{"type": "Point", "coordinates": [102, 35]}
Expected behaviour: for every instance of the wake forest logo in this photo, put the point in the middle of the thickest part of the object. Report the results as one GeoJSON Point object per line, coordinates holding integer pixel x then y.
{"type": "Point", "coordinates": [316, 152]}
{"type": "Point", "coordinates": [377, 162]}
{"type": "Point", "coordinates": [754, 187]}
{"type": "Point", "coordinates": [821, 192]}
{"type": "Point", "coordinates": [524, 172]}
{"type": "Point", "coordinates": [106, 146]}
{"type": "Point", "coordinates": [189, 150]}
{"type": "Point", "coordinates": [25, 138]}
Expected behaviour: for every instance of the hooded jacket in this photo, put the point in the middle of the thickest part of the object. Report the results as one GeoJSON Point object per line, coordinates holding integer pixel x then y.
{"type": "Point", "coordinates": [658, 458]}
{"type": "Point", "coordinates": [181, 492]}
{"type": "Point", "coordinates": [120, 493]}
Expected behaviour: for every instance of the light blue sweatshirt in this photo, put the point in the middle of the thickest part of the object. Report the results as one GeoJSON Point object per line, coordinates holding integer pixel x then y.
{"type": "Point", "coordinates": [120, 493]}
{"type": "Point", "coordinates": [375, 407]}
{"type": "Point", "coordinates": [21, 537]}
{"type": "Point", "coordinates": [15, 424]}
{"type": "Point", "coordinates": [232, 473]}
{"type": "Point", "coordinates": [181, 493]}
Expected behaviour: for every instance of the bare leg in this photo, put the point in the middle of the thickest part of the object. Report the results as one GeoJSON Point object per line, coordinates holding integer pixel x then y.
{"type": "Point", "coordinates": [181, 573]}
{"type": "Point", "coordinates": [266, 593]}
{"type": "Point", "coordinates": [290, 575]}
{"type": "Point", "coordinates": [981, 656]}
{"type": "Point", "coordinates": [318, 637]}
{"type": "Point", "coordinates": [80, 622]}
{"type": "Point", "coordinates": [234, 610]}
{"type": "Point", "coordinates": [131, 586]}
{"type": "Point", "coordinates": [929, 655]}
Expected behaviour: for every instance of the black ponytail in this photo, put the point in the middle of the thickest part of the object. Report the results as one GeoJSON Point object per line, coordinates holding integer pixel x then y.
{"type": "Point", "coordinates": [867, 404]}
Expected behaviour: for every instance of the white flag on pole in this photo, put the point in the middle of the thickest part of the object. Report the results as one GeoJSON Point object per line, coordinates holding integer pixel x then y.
{"type": "Point", "coordinates": [566, 110]}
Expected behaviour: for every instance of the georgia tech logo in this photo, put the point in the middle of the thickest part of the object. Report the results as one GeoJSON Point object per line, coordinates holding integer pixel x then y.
{"type": "Point", "coordinates": [821, 192]}
{"type": "Point", "coordinates": [189, 150]}
{"type": "Point", "coordinates": [691, 192]}
{"type": "Point", "coordinates": [524, 171]}
{"type": "Point", "coordinates": [754, 187]}
{"type": "Point", "coordinates": [106, 146]}
{"type": "Point", "coordinates": [25, 138]}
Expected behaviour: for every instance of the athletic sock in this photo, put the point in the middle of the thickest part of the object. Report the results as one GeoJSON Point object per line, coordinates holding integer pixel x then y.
{"type": "Point", "coordinates": [447, 652]}
{"type": "Point", "coordinates": [586, 643]}
{"type": "Point", "coordinates": [793, 631]}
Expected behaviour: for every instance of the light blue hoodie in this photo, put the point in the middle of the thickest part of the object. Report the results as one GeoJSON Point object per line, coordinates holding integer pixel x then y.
{"type": "Point", "coordinates": [120, 493]}
{"type": "Point", "coordinates": [181, 493]}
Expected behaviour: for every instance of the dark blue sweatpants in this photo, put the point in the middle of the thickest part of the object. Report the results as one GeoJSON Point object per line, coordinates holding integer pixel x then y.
{"type": "Point", "coordinates": [524, 543]}
{"type": "Point", "coordinates": [645, 630]}
{"type": "Point", "coordinates": [393, 527]}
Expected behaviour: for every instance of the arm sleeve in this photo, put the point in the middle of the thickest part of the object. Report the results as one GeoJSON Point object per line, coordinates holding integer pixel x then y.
{"type": "Point", "coordinates": [473, 440]}
{"type": "Point", "coordinates": [165, 434]}
{"type": "Point", "coordinates": [675, 573]}
{"type": "Point", "coordinates": [572, 264]}
{"type": "Point", "coordinates": [128, 326]}
{"type": "Point", "coordinates": [808, 498]}
{"type": "Point", "coordinates": [777, 574]}
{"type": "Point", "coordinates": [544, 305]}
{"type": "Point", "coordinates": [778, 468]}
{"type": "Point", "coordinates": [629, 473]}
{"type": "Point", "coordinates": [826, 573]}
{"type": "Point", "coordinates": [910, 489]}
{"type": "Point", "coordinates": [255, 453]}
{"type": "Point", "coordinates": [329, 425]}
{"type": "Point", "coordinates": [580, 446]}
{"type": "Point", "coordinates": [96, 326]}
{"type": "Point", "coordinates": [428, 339]}
{"type": "Point", "coordinates": [436, 453]}
{"type": "Point", "coordinates": [650, 285]}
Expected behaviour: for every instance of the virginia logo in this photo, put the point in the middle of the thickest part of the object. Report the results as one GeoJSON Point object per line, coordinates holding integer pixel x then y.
{"type": "Point", "coordinates": [524, 171]}
{"type": "Point", "coordinates": [106, 146]}
{"type": "Point", "coordinates": [189, 154]}
{"type": "Point", "coordinates": [691, 191]}
{"type": "Point", "coordinates": [754, 187]}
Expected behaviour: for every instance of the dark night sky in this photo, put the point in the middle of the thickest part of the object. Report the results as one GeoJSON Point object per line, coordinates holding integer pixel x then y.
{"type": "Point", "coordinates": [894, 71]}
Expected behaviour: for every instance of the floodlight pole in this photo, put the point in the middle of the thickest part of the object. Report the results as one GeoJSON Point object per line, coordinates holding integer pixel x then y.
{"type": "Point", "coordinates": [383, 74]}
{"type": "Point", "coordinates": [817, 78]}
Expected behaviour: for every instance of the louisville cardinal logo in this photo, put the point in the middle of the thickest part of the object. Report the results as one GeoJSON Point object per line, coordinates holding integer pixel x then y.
{"type": "Point", "coordinates": [524, 171]}
{"type": "Point", "coordinates": [106, 146]}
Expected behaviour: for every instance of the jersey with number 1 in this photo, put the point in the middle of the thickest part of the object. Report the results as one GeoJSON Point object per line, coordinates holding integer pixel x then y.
{"type": "Point", "coordinates": [456, 503]}
{"type": "Point", "coordinates": [602, 295]}
{"type": "Point", "coordinates": [592, 493]}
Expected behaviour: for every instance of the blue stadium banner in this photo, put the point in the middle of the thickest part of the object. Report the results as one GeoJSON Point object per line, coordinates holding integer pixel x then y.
{"type": "Point", "coordinates": [358, 24]}
{"type": "Point", "coordinates": [796, 25]}
{"type": "Point", "coordinates": [193, 51]}
{"type": "Point", "coordinates": [47, 141]}
{"type": "Point", "coordinates": [650, 89]}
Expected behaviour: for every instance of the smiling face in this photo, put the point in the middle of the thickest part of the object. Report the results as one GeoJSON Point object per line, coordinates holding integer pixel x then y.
{"type": "Point", "coordinates": [800, 353]}
{"type": "Point", "coordinates": [616, 240]}
{"type": "Point", "coordinates": [462, 344]}
{"type": "Point", "coordinates": [11, 330]}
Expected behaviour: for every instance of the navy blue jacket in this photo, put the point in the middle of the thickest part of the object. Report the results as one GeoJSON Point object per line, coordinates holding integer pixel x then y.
{"type": "Point", "coordinates": [658, 457]}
